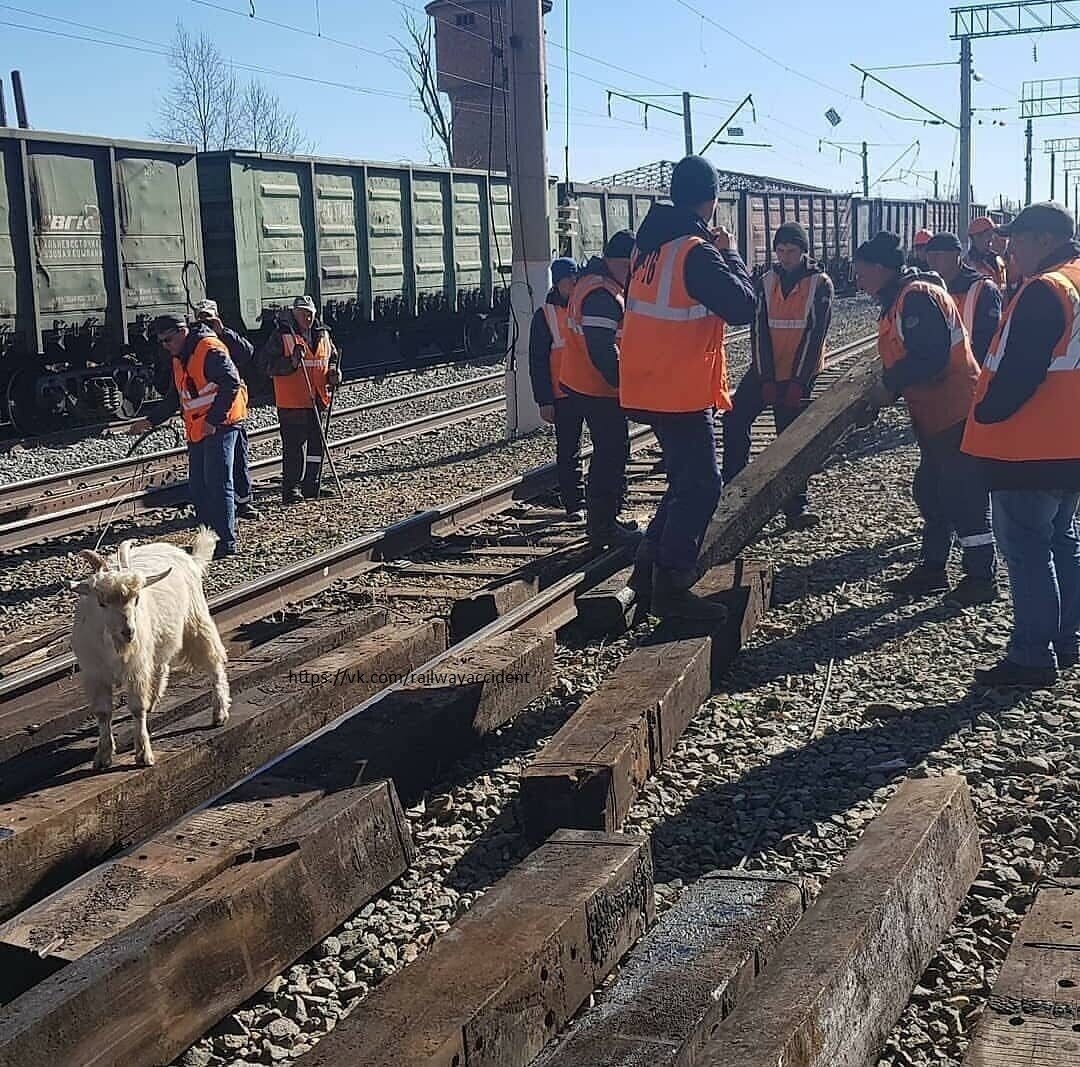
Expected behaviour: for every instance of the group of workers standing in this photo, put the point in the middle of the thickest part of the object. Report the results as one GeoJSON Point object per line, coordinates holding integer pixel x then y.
{"type": "Point", "coordinates": [985, 353]}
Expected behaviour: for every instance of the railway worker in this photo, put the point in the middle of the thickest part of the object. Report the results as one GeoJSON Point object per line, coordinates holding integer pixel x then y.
{"type": "Point", "coordinates": [981, 256]}
{"type": "Point", "coordinates": [302, 359]}
{"type": "Point", "coordinates": [589, 375]}
{"type": "Point", "coordinates": [1024, 429]}
{"type": "Point", "coordinates": [242, 352]}
{"type": "Point", "coordinates": [917, 259]}
{"type": "Point", "coordinates": [976, 297]}
{"type": "Point", "coordinates": [687, 284]}
{"type": "Point", "coordinates": [787, 340]}
{"type": "Point", "coordinates": [210, 394]}
{"type": "Point", "coordinates": [927, 358]}
{"type": "Point", "coordinates": [547, 343]}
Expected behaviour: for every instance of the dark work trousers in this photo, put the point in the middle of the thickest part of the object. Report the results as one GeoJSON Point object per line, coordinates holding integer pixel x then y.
{"type": "Point", "coordinates": [210, 482]}
{"type": "Point", "coordinates": [605, 488]}
{"type": "Point", "coordinates": [688, 442]}
{"type": "Point", "coordinates": [568, 424]}
{"type": "Point", "coordinates": [241, 468]}
{"type": "Point", "coordinates": [747, 405]}
{"type": "Point", "coordinates": [301, 449]}
{"type": "Point", "coordinates": [953, 498]}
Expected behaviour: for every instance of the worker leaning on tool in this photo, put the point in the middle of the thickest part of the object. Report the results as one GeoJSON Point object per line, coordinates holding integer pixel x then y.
{"type": "Point", "coordinates": [303, 361]}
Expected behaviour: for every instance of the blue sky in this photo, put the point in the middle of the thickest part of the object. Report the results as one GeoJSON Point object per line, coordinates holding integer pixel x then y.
{"type": "Point", "coordinates": [81, 86]}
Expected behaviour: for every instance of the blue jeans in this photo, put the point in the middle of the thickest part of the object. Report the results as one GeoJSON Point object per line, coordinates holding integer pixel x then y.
{"type": "Point", "coordinates": [241, 470]}
{"type": "Point", "coordinates": [1037, 536]}
{"type": "Point", "coordinates": [688, 442]}
{"type": "Point", "coordinates": [210, 482]}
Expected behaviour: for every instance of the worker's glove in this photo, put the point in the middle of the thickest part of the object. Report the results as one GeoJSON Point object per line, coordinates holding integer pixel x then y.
{"type": "Point", "coordinates": [769, 393]}
{"type": "Point", "coordinates": [794, 395]}
{"type": "Point", "coordinates": [333, 378]}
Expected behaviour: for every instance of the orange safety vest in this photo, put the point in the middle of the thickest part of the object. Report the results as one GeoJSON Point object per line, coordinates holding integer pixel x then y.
{"type": "Point", "coordinates": [1045, 427]}
{"type": "Point", "coordinates": [291, 390]}
{"type": "Point", "coordinates": [995, 271]}
{"type": "Point", "coordinates": [936, 405]}
{"type": "Point", "coordinates": [197, 394]}
{"type": "Point", "coordinates": [558, 322]}
{"type": "Point", "coordinates": [791, 320]}
{"type": "Point", "coordinates": [672, 357]}
{"type": "Point", "coordinates": [577, 371]}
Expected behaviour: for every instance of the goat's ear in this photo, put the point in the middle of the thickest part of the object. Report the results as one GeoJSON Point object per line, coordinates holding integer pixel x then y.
{"type": "Point", "coordinates": [124, 554]}
{"type": "Point", "coordinates": [83, 588]}
{"type": "Point", "coordinates": [96, 561]}
{"type": "Point", "coordinates": [157, 577]}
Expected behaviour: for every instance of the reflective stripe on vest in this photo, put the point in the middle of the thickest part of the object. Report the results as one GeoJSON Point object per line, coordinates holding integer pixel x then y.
{"type": "Point", "coordinates": [789, 338]}
{"type": "Point", "coordinates": [556, 317]}
{"type": "Point", "coordinates": [944, 402]}
{"type": "Point", "coordinates": [197, 393]}
{"type": "Point", "coordinates": [577, 372]}
{"type": "Point", "coordinates": [293, 390]}
{"type": "Point", "coordinates": [672, 355]}
{"type": "Point", "coordinates": [1045, 427]}
{"type": "Point", "coordinates": [971, 304]}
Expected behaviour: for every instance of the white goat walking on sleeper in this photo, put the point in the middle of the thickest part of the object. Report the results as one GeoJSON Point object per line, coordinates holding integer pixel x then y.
{"type": "Point", "coordinates": [140, 613]}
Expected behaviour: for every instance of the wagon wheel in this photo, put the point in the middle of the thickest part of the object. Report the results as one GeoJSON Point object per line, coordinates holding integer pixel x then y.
{"type": "Point", "coordinates": [21, 405]}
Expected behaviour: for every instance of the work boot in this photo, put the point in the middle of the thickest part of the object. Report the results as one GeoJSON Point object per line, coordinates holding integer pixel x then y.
{"type": "Point", "coordinates": [225, 548]}
{"type": "Point", "coordinates": [1068, 659]}
{"type": "Point", "coordinates": [921, 581]}
{"type": "Point", "coordinates": [1007, 675]}
{"type": "Point", "coordinates": [972, 590]}
{"type": "Point", "coordinates": [803, 520]}
{"type": "Point", "coordinates": [614, 534]}
{"type": "Point", "coordinates": [671, 597]}
{"type": "Point", "coordinates": [292, 496]}
{"type": "Point", "coordinates": [248, 510]}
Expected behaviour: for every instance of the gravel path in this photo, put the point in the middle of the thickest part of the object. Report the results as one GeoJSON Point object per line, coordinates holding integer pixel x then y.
{"type": "Point", "coordinates": [751, 779]}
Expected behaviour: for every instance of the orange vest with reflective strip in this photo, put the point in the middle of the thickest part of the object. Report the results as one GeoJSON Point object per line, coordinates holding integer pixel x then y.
{"type": "Point", "coordinates": [995, 271]}
{"type": "Point", "coordinates": [936, 405]}
{"type": "Point", "coordinates": [291, 390]}
{"type": "Point", "coordinates": [197, 394]}
{"type": "Point", "coordinates": [672, 357]}
{"type": "Point", "coordinates": [577, 371]}
{"type": "Point", "coordinates": [1046, 426]}
{"type": "Point", "coordinates": [791, 319]}
{"type": "Point", "coordinates": [558, 323]}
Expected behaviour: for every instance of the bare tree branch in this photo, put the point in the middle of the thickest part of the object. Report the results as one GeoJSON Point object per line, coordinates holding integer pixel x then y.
{"type": "Point", "coordinates": [418, 62]}
{"type": "Point", "coordinates": [267, 126]}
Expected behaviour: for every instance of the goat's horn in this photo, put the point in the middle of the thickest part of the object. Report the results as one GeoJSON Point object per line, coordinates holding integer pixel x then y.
{"type": "Point", "coordinates": [157, 577]}
{"type": "Point", "coordinates": [97, 561]}
{"type": "Point", "coordinates": [124, 553]}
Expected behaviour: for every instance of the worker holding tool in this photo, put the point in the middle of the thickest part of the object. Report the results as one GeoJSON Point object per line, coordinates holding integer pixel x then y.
{"type": "Point", "coordinates": [303, 362]}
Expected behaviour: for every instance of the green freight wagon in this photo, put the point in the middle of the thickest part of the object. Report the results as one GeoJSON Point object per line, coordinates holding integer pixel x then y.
{"type": "Point", "coordinates": [410, 266]}
{"type": "Point", "coordinates": [96, 238]}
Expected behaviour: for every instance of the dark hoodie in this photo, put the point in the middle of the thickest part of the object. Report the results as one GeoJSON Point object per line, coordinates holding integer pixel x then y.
{"type": "Point", "coordinates": [219, 368]}
{"type": "Point", "coordinates": [601, 317]}
{"type": "Point", "coordinates": [1037, 323]}
{"type": "Point", "coordinates": [717, 279]}
{"type": "Point", "coordinates": [927, 340]}
{"type": "Point", "coordinates": [818, 323]}
{"type": "Point", "coordinates": [987, 310]}
{"type": "Point", "coordinates": [540, 352]}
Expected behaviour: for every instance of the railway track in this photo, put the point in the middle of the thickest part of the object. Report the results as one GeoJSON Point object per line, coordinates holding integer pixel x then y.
{"type": "Point", "coordinates": [483, 585]}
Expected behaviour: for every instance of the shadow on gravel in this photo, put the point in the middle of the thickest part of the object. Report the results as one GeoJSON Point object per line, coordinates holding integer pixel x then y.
{"type": "Point", "coordinates": [798, 789]}
{"type": "Point", "coordinates": [794, 582]}
{"type": "Point", "coordinates": [424, 462]}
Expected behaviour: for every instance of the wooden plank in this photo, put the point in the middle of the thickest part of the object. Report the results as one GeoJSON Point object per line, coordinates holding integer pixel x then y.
{"type": "Point", "coordinates": [494, 988]}
{"type": "Point", "coordinates": [836, 986]}
{"type": "Point", "coordinates": [192, 962]}
{"type": "Point", "coordinates": [415, 734]}
{"type": "Point", "coordinates": [474, 611]}
{"type": "Point", "coordinates": [32, 726]}
{"type": "Point", "coordinates": [1033, 1016]}
{"type": "Point", "coordinates": [590, 772]}
{"type": "Point", "coordinates": [759, 491]}
{"type": "Point", "coordinates": [686, 975]}
{"type": "Point", "coordinates": [31, 639]}
{"type": "Point", "coordinates": [78, 818]}
{"type": "Point", "coordinates": [745, 589]}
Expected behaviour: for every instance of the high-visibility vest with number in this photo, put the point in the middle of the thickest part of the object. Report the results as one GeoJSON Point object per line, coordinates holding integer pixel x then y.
{"type": "Point", "coordinates": [292, 390]}
{"type": "Point", "coordinates": [944, 402]}
{"type": "Point", "coordinates": [577, 371]}
{"type": "Point", "coordinates": [791, 321]}
{"type": "Point", "coordinates": [1045, 427]}
{"type": "Point", "coordinates": [197, 393]}
{"type": "Point", "coordinates": [557, 318]}
{"type": "Point", "coordinates": [672, 357]}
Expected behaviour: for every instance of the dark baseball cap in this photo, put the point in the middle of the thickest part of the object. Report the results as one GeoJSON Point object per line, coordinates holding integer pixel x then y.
{"type": "Point", "coordinates": [1049, 217]}
{"type": "Point", "coordinates": [164, 324]}
{"type": "Point", "coordinates": [943, 242]}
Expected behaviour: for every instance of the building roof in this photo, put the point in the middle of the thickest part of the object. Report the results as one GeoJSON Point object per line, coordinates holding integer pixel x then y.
{"type": "Point", "coordinates": [658, 176]}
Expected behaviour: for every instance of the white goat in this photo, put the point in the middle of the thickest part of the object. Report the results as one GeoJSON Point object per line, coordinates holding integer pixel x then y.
{"type": "Point", "coordinates": [139, 613]}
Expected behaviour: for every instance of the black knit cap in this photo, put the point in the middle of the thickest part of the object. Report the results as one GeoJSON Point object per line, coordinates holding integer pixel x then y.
{"type": "Point", "coordinates": [944, 242]}
{"type": "Point", "coordinates": [791, 233]}
{"type": "Point", "coordinates": [620, 245]}
{"type": "Point", "coordinates": [883, 249]}
{"type": "Point", "coordinates": [693, 182]}
{"type": "Point", "coordinates": [167, 323]}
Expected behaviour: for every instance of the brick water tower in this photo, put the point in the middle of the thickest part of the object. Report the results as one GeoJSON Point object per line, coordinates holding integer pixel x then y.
{"type": "Point", "coordinates": [464, 33]}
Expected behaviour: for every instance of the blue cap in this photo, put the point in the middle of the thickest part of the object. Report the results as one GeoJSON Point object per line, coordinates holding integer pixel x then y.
{"type": "Point", "coordinates": [562, 268]}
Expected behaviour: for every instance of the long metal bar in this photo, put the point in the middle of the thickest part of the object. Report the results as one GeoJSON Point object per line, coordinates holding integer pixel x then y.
{"type": "Point", "coordinates": [965, 138]}
{"type": "Point", "coordinates": [1014, 17]}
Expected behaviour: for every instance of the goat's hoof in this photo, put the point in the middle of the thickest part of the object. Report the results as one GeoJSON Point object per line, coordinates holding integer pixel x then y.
{"type": "Point", "coordinates": [221, 717]}
{"type": "Point", "coordinates": [102, 763]}
{"type": "Point", "coordinates": [144, 759]}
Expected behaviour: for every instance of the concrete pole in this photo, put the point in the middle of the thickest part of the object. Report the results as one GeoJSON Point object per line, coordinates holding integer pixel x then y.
{"type": "Point", "coordinates": [688, 124]}
{"type": "Point", "coordinates": [865, 171]}
{"type": "Point", "coordinates": [1053, 172]}
{"type": "Point", "coordinates": [965, 136]}
{"type": "Point", "coordinates": [1027, 163]}
{"type": "Point", "coordinates": [529, 197]}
